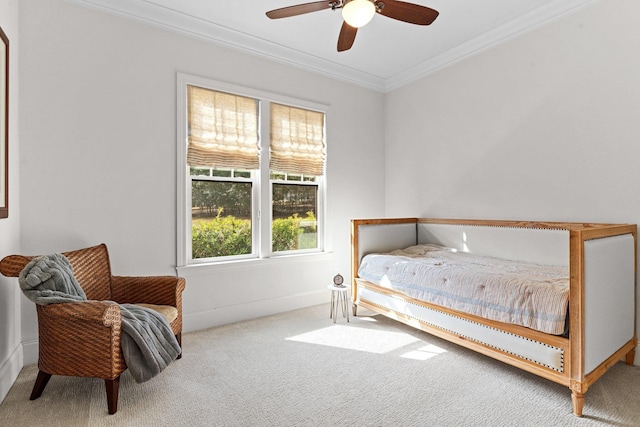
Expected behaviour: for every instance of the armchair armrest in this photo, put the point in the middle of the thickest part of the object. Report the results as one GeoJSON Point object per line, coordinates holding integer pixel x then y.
{"type": "Point", "coordinates": [80, 339]}
{"type": "Point", "coordinates": [161, 290]}
{"type": "Point", "coordinates": [12, 265]}
{"type": "Point", "coordinates": [102, 314]}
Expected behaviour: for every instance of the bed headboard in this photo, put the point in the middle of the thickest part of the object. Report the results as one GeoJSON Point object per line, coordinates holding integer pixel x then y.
{"type": "Point", "coordinates": [538, 245]}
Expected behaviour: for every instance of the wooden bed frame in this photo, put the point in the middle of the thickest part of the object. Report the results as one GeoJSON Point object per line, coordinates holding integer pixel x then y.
{"type": "Point", "coordinates": [602, 300]}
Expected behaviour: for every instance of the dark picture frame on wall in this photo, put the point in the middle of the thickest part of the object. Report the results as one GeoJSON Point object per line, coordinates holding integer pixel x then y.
{"type": "Point", "coordinates": [4, 125]}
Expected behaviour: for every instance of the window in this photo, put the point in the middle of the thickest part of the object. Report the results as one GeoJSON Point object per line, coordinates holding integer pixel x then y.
{"type": "Point", "coordinates": [251, 174]}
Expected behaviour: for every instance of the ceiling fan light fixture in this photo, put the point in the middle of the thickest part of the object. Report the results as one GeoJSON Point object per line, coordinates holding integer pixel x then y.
{"type": "Point", "coordinates": [358, 13]}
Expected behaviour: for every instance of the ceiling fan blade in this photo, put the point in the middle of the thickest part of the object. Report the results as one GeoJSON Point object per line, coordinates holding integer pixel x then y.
{"type": "Point", "coordinates": [347, 37]}
{"type": "Point", "coordinates": [406, 12]}
{"type": "Point", "coordinates": [299, 9]}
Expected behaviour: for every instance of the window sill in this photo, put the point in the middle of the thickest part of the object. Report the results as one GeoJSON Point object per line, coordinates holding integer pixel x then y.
{"type": "Point", "coordinates": [206, 268]}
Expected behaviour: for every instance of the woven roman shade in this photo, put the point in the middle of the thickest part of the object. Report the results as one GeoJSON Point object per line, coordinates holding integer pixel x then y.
{"type": "Point", "coordinates": [223, 129]}
{"type": "Point", "coordinates": [297, 140]}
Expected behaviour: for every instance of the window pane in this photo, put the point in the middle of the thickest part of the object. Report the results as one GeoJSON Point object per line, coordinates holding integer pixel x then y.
{"type": "Point", "coordinates": [220, 218]}
{"type": "Point", "coordinates": [295, 209]}
{"type": "Point", "coordinates": [225, 173]}
{"type": "Point", "coordinates": [200, 171]}
{"type": "Point", "coordinates": [241, 174]}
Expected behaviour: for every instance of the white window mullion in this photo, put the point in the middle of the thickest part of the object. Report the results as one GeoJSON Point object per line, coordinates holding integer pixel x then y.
{"type": "Point", "coordinates": [265, 186]}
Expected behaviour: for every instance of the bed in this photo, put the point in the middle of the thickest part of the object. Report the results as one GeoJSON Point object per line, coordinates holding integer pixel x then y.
{"type": "Point", "coordinates": [554, 299]}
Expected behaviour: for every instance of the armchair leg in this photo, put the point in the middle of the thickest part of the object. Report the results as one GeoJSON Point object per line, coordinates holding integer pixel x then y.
{"type": "Point", "coordinates": [112, 394]}
{"type": "Point", "coordinates": [41, 382]}
{"type": "Point", "coordinates": [179, 338]}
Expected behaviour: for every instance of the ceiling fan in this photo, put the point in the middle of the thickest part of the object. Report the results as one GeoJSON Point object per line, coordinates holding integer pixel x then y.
{"type": "Point", "coordinates": [357, 13]}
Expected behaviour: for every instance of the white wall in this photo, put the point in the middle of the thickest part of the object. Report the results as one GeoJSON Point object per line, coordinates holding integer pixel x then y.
{"type": "Point", "coordinates": [10, 347]}
{"type": "Point", "coordinates": [98, 158]}
{"type": "Point", "coordinates": [544, 127]}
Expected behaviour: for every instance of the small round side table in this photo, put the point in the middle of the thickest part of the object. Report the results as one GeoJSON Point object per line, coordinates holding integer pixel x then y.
{"type": "Point", "coordinates": [339, 297]}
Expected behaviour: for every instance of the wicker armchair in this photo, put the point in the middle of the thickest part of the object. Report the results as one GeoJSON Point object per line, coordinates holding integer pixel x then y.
{"type": "Point", "coordinates": [83, 338]}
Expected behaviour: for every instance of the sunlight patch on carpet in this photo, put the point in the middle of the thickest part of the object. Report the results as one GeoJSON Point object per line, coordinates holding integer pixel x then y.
{"type": "Point", "coordinates": [424, 353]}
{"type": "Point", "coordinates": [354, 338]}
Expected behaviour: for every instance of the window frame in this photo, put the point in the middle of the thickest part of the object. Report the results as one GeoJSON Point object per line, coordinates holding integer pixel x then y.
{"type": "Point", "coordinates": [262, 200]}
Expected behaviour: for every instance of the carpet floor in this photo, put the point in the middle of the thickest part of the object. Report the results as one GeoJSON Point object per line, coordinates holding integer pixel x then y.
{"type": "Point", "coordinates": [301, 369]}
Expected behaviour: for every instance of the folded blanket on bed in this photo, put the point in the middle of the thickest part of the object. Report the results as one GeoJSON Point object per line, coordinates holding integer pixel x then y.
{"type": "Point", "coordinates": [148, 343]}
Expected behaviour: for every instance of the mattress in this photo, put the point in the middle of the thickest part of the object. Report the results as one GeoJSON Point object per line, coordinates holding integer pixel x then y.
{"type": "Point", "coordinates": [532, 295]}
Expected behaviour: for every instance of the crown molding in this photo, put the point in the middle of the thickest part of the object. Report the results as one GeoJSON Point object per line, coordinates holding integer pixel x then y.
{"type": "Point", "coordinates": [170, 20]}
{"type": "Point", "coordinates": [167, 19]}
{"type": "Point", "coordinates": [509, 31]}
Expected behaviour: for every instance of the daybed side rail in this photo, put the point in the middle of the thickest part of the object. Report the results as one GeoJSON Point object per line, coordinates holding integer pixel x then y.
{"type": "Point", "coordinates": [378, 235]}
{"type": "Point", "coordinates": [533, 351]}
{"type": "Point", "coordinates": [602, 301]}
{"type": "Point", "coordinates": [520, 224]}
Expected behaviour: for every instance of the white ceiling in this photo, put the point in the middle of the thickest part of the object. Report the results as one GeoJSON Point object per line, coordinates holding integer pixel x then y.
{"type": "Point", "coordinates": [386, 54]}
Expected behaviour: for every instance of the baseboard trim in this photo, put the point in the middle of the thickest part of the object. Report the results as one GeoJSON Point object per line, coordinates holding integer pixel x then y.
{"type": "Point", "coordinates": [250, 310]}
{"type": "Point", "coordinates": [30, 350]}
{"type": "Point", "coordinates": [10, 370]}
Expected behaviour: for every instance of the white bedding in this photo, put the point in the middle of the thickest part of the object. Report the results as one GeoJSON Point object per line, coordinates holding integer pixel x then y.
{"type": "Point", "coordinates": [531, 295]}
